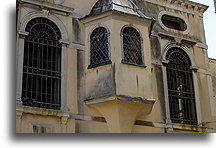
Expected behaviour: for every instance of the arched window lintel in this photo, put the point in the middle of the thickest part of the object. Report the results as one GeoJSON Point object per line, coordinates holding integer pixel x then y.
{"type": "Point", "coordinates": [132, 26]}
{"type": "Point", "coordinates": [98, 26]}
{"type": "Point", "coordinates": [183, 47]}
{"type": "Point", "coordinates": [24, 21]}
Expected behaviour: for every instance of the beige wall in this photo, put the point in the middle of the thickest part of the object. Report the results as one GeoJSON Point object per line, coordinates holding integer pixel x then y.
{"type": "Point", "coordinates": [116, 78]}
{"type": "Point", "coordinates": [80, 6]}
{"type": "Point", "coordinates": [53, 121]}
{"type": "Point", "coordinates": [212, 65]}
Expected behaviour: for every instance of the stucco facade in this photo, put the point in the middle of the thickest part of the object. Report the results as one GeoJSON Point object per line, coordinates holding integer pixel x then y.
{"type": "Point", "coordinates": [212, 65]}
{"type": "Point", "coordinates": [118, 97]}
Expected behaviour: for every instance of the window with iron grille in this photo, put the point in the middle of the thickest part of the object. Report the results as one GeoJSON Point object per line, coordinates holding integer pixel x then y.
{"type": "Point", "coordinates": [180, 87]}
{"type": "Point", "coordinates": [99, 47]}
{"type": "Point", "coordinates": [42, 65]}
{"type": "Point", "coordinates": [132, 46]}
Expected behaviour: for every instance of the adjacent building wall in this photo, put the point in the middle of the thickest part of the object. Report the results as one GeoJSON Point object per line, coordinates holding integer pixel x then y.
{"type": "Point", "coordinates": [212, 65]}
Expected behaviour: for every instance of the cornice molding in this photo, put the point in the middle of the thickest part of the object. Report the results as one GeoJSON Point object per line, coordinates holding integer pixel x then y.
{"type": "Point", "coordinates": [50, 6]}
{"type": "Point", "coordinates": [182, 5]}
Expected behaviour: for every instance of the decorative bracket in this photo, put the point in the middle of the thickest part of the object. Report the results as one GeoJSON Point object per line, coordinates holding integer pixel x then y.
{"type": "Point", "coordinates": [22, 34]}
{"type": "Point", "coordinates": [45, 12]}
{"type": "Point", "coordinates": [165, 62]}
{"type": "Point", "coordinates": [194, 68]}
{"type": "Point", "coordinates": [64, 43]}
{"type": "Point", "coordinates": [178, 41]}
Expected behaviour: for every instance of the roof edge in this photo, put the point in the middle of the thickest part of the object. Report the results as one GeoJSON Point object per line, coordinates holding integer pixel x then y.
{"type": "Point", "coordinates": [129, 7]}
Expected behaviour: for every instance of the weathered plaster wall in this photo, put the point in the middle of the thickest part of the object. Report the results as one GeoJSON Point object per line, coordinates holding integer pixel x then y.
{"type": "Point", "coordinates": [99, 81]}
{"type": "Point", "coordinates": [117, 78]}
{"type": "Point", "coordinates": [152, 9]}
{"type": "Point", "coordinates": [132, 80]}
{"type": "Point", "coordinates": [53, 124]}
{"type": "Point", "coordinates": [81, 6]}
{"type": "Point", "coordinates": [212, 65]}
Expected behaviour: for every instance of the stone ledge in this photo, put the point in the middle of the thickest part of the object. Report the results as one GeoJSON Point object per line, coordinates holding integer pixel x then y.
{"type": "Point", "coordinates": [179, 36]}
{"type": "Point", "coordinates": [120, 98]}
{"type": "Point", "coordinates": [41, 111]}
{"type": "Point", "coordinates": [199, 128]}
{"type": "Point", "coordinates": [121, 111]}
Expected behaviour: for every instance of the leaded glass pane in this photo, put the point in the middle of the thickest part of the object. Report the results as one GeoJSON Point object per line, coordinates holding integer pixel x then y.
{"type": "Point", "coordinates": [132, 46]}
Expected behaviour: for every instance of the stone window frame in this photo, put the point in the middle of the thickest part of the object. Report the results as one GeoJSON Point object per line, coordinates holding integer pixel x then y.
{"type": "Point", "coordinates": [142, 46]}
{"type": "Point", "coordinates": [89, 47]}
{"type": "Point", "coordinates": [160, 15]}
{"type": "Point", "coordinates": [195, 82]}
{"type": "Point", "coordinates": [50, 34]}
{"type": "Point", "coordinates": [20, 45]}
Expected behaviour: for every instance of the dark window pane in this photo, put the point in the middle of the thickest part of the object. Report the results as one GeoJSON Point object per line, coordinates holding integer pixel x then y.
{"type": "Point", "coordinates": [99, 50]}
{"type": "Point", "coordinates": [132, 46]}
{"type": "Point", "coordinates": [180, 87]}
{"type": "Point", "coordinates": [174, 22]}
{"type": "Point", "coordinates": [42, 65]}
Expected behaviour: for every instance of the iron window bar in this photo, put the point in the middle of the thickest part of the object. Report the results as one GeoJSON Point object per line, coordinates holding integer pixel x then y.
{"type": "Point", "coordinates": [99, 47]}
{"type": "Point", "coordinates": [42, 65]}
{"type": "Point", "coordinates": [132, 46]}
{"type": "Point", "coordinates": [180, 87]}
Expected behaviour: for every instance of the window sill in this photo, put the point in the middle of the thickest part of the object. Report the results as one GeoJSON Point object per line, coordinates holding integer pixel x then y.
{"type": "Point", "coordinates": [188, 127]}
{"type": "Point", "coordinates": [100, 64]}
{"type": "Point", "coordinates": [133, 64]}
{"type": "Point", "coordinates": [41, 111]}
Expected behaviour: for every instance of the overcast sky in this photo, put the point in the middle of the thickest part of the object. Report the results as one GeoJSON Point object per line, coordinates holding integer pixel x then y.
{"type": "Point", "coordinates": [210, 26]}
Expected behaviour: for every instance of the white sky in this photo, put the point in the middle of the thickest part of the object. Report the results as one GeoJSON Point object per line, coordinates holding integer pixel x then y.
{"type": "Point", "coordinates": [210, 26]}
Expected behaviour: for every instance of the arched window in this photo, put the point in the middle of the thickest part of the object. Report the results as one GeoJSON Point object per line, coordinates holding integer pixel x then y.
{"type": "Point", "coordinates": [180, 87]}
{"type": "Point", "coordinates": [99, 47]}
{"type": "Point", "coordinates": [132, 46]}
{"type": "Point", "coordinates": [42, 65]}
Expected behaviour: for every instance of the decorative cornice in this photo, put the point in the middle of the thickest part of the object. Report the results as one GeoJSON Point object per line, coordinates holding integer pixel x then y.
{"type": "Point", "coordinates": [50, 6]}
{"type": "Point", "coordinates": [120, 98]}
{"type": "Point", "coordinates": [211, 60]}
{"type": "Point", "coordinates": [181, 5]}
{"type": "Point", "coordinates": [179, 36]}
